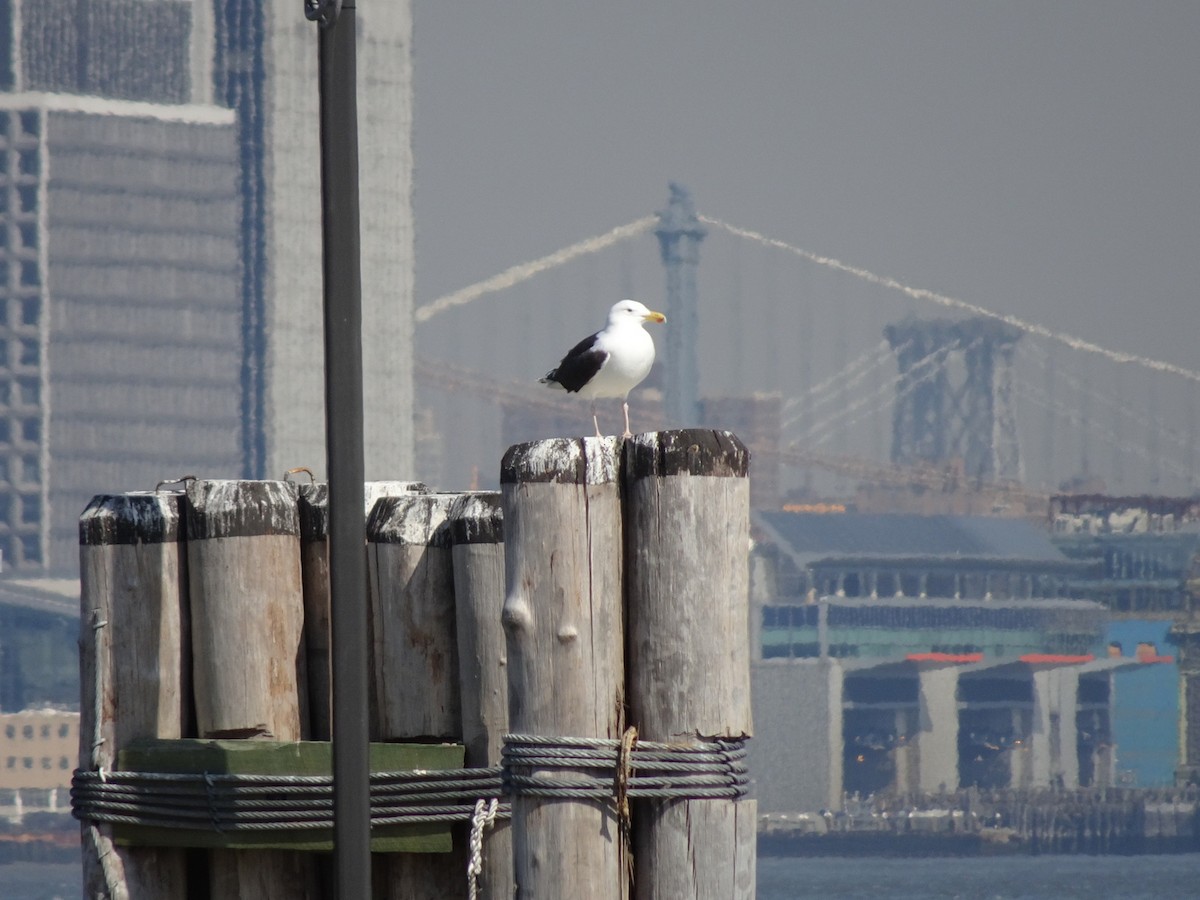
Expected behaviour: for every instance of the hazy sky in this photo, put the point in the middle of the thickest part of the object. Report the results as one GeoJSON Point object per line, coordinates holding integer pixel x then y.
{"type": "Point", "coordinates": [1035, 158]}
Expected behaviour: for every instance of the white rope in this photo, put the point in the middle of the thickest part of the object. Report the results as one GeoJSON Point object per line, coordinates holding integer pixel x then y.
{"type": "Point", "coordinates": [111, 868]}
{"type": "Point", "coordinates": [484, 817]}
{"type": "Point", "coordinates": [98, 701]}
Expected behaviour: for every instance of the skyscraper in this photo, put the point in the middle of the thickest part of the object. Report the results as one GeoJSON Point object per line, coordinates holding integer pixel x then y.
{"type": "Point", "coordinates": [160, 273]}
{"type": "Point", "coordinates": [265, 68]}
{"type": "Point", "coordinates": [119, 335]}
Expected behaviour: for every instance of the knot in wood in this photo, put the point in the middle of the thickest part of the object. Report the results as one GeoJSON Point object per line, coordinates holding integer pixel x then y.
{"type": "Point", "coordinates": [516, 615]}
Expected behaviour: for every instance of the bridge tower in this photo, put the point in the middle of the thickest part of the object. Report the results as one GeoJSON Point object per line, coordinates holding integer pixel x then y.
{"type": "Point", "coordinates": [954, 396]}
{"type": "Point", "coordinates": [679, 235]}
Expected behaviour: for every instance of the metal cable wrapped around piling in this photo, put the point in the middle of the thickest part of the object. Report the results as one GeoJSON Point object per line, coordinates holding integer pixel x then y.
{"type": "Point", "coordinates": [263, 802]}
{"type": "Point", "coordinates": [584, 768]}
{"type": "Point", "coordinates": [555, 767]}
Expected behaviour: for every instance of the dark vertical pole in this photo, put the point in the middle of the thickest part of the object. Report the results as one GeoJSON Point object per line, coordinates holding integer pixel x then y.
{"type": "Point", "coordinates": [344, 449]}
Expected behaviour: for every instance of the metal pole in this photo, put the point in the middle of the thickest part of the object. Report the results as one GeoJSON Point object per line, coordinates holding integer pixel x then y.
{"type": "Point", "coordinates": [344, 446]}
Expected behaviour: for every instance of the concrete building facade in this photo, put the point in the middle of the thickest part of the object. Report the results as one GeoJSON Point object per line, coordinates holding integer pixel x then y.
{"type": "Point", "coordinates": [120, 308]}
{"type": "Point", "coordinates": [38, 748]}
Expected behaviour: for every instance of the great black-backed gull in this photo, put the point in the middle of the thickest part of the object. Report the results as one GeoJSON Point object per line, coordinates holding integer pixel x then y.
{"type": "Point", "coordinates": [611, 362]}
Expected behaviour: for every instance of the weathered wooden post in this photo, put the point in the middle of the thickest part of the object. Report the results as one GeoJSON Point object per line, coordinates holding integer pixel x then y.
{"type": "Point", "coordinates": [247, 624]}
{"type": "Point", "coordinates": [134, 658]}
{"type": "Point", "coordinates": [562, 617]}
{"type": "Point", "coordinates": [415, 660]}
{"type": "Point", "coordinates": [477, 537]}
{"type": "Point", "coordinates": [313, 512]}
{"type": "Point", "coordinates": [314, 563]}
{"type": "Point", "coordinates": [687, 507]}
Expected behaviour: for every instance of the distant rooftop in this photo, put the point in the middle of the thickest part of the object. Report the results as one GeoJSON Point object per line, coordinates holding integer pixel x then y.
{"type": "Point", "coordinates": [810, 536]}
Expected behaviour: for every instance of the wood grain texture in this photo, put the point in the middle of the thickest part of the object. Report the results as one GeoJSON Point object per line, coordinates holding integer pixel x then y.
{"type": "Point", "coordinates": [703, 849]}
{"type": "Point", "coordinates": [414, 643]}
{"type": "Point", "coordinates": [317, 708]}
{"type": "Point", "coordinates": [687, 506]}
{"type": "Point", "coordinates": [563, 620]}
{"type": "Point", "coordinates": [314, 564]}
{"type": "Point", "coordinates": [415, 661]}
{"type": "Point", "coordinates": [134, 666]}
{"type": "Point", "coordinates": [477, 549]}
{"type": "Point", "coordinates": [247, 604]}
{"type": "Point", "coordinates": [247, 608]}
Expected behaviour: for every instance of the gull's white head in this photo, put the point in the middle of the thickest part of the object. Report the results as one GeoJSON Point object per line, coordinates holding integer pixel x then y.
{"type": "Point", "coordinates": [630, 311]}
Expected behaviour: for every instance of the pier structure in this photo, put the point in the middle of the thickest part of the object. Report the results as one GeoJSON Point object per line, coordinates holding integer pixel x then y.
{"type": "Point", "coordinates": [901, 654]}
{"type": "Point", "coordinates": [205, 628]}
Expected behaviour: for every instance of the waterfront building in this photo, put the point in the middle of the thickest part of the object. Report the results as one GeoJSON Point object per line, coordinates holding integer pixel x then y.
{"type": "Point", "coordinates": [39, 749]}
{"type": "Point", "coordinates": [900, 653]}
{"type": "Point", "coordinates": [1145, 556]}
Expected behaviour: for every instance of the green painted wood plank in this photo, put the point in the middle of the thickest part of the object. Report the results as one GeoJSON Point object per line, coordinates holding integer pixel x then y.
{"type": "Point", "coordinates": [431, 838]}
{"type": "Point", "coordinates": [253, 757]}
{"type": "Point", "coordinates": [276, 757]}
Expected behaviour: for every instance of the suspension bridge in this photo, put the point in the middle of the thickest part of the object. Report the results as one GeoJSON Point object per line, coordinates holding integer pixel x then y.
{"type": "Point", "coordinates": [942, 404]}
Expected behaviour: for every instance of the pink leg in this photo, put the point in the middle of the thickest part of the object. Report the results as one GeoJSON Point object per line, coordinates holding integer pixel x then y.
{"type": "Point", "coordinates": [627, 433]}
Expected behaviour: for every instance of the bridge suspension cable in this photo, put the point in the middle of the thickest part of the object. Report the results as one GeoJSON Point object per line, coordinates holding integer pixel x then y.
{"type": "Point", "coordinates": [954, 303]}
{"type": "Point", "coordinates": [1075, 419]}
{"type": "Point", "coordinates": [806, 402]}
{"type": "Point", "coordinates": [890, 392]}
{"type": "Point", "coordinates": [846, 405]}
{"type": "Point", "coordinates": [940, 479]}
{"type": "Point", "coordinates": [523, 271]}
{"type": "Point", "coordinates": [1118, 406]}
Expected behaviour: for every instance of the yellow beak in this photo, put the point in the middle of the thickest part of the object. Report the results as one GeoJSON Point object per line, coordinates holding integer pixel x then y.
{"type": "Point", "coordinates": [655, 317]}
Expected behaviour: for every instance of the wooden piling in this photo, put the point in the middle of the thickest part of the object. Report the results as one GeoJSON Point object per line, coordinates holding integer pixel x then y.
{"type": "Point", "coordinates": [314, 563]}
{"type": "Point", "coordinates": [313, 512]}
{"type": "Point", "coordinates": [135, 659]}
{"type": "Point", "coordinates": [415, 662]}
{"type": "Point", "coordinates": [411, 580]}
{"type": "Point", "coordinates": [247, 624]}
{"type": "Point", "coordinates": [686, 546]}
{"type": "Point", "coordinates": [477, 538]}
{"type": "Point", "coordinates": [563, 621]}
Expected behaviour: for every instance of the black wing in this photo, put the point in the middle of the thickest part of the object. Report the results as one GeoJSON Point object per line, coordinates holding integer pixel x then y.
{"type": "Point", "coordinates": [580, 365]}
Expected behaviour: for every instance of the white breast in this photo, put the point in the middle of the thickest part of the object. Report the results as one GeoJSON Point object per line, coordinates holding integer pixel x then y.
{"type": "Point", "coordinates": [631, 354]}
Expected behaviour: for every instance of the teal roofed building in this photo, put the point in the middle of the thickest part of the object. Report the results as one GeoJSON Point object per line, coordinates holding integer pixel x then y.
{"type": "Point", "coordinates": [935, 584]}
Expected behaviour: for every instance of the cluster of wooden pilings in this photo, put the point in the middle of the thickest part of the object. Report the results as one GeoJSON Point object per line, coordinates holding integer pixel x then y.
{"type": "Point", "coordinates": [603, 587]}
